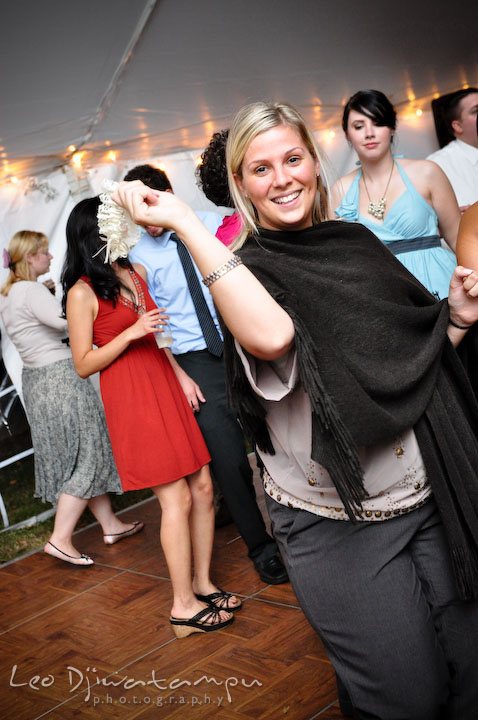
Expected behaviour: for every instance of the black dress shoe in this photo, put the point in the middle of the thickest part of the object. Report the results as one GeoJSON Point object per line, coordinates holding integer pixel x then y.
{"type": "Point", "coordinates": [272, 571]}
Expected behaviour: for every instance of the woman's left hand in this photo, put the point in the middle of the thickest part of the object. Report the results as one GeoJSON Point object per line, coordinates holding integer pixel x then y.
{"type": "Point", "coordinates": [192, 391]}
{"type": "Point", "coordinates": [463, 296]}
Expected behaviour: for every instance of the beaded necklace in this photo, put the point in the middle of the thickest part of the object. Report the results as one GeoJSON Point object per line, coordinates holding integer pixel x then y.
{"type": "Point", "coordinates": [377, 210]}
{"type": "Point", "coordinates": [140, 307]}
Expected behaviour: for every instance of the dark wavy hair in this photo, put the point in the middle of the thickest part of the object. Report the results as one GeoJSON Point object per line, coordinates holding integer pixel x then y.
{"type": "Point", "coordinates": [85, 254]}
{"type": "Point", "coordinates": [374, 105]}
{"type": "Point", "coordinates": [211, 174]}
{"type": "Point", "coordinates": [150, 176]}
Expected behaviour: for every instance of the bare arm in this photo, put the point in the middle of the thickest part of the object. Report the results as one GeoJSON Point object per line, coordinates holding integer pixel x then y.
{"type": "Point", "coordinates": [81, 311]}
{"type": "Point", "coordinates": [261, 326]}
{"type": "Point", "coordinates": [141, 270]}
{"type": "Point", "coordinates": [443, 201]}
{"type": "Point", "coordinates": [467, 243]}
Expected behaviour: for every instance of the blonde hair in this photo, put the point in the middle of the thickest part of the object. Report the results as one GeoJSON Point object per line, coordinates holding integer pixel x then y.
{"type": "Point", "coordinates": [249, 122]}
{"type": "Point", "coordinates": [23, 242]}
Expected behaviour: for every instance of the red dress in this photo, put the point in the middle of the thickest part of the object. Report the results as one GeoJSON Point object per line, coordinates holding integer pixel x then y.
{"type": "Point", "coordinates": [154, 435]}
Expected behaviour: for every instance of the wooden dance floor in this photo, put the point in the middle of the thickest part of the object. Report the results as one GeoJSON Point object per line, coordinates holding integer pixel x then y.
{"type": "Point", "coordinates": [96, 643]}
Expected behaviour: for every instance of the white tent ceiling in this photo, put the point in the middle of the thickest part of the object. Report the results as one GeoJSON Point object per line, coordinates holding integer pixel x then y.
{"type": "Point", "coordinates": [158, 76]}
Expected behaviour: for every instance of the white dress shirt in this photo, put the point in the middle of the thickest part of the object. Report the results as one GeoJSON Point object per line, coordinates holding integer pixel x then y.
{"type": "Point", "coordinates": [459, 162]}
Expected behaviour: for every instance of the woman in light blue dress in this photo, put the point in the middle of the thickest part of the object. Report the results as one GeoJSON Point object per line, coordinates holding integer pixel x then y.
{"type": "Point", "coordinates": [408, 204]}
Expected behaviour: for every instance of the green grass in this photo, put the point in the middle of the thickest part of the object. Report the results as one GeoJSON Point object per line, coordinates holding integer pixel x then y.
{"type": "Point", "coordinates": [14, 543]}
{"type": "Point", "coordinates": [17, 486]}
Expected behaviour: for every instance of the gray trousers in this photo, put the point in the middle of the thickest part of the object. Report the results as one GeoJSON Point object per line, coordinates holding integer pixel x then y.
{"type": "Point", "coordinates": [381, 596]}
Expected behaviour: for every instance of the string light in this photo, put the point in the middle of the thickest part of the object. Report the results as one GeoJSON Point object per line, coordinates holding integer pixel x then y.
{"type": "Point", "coordinates": [71, 148]}
{"type": "Point", "coordinates": [77, 158]}
{"type": "Point", "coordinates": [198, 160]}
{"type": "Point", "coordinates": [418, 112]}
{"type": "Point", "coordinates": [331, 134]}
{"type": "Point", "coordinates": [111, 156]}
{"type": "Point", "coordinates": [33, 184]}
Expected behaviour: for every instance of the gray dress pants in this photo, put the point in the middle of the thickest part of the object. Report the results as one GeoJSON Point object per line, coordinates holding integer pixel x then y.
{"type": "Point", "coordinates": [382, 597]}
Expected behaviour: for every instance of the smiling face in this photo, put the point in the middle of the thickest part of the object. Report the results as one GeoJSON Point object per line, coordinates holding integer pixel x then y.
{"type": "Point", "coordinates": [279, 175]}
{"type": "Point", "coordinates": [369, 140]}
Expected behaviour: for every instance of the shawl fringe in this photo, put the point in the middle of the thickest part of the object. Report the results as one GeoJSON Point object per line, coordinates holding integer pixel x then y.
{"type": "Point", "coordinates": [342, 462]}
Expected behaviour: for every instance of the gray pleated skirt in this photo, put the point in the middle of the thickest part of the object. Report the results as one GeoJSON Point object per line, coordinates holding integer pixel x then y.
{"type": "Point", "coordinates": [70, 438]}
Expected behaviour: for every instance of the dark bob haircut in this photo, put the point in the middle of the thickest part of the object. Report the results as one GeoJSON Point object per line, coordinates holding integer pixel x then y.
{"type": "Point", "coordinates": [374, 105]}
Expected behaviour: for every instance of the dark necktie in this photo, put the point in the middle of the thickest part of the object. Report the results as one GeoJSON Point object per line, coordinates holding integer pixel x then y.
{"type": "Point", "coordinates": [208, 327]}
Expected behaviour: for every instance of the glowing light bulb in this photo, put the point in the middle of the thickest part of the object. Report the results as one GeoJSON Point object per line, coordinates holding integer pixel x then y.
{"type": "Point", "coordinates": [14, 180]}
{"type": "Point", "coordinates": [71, 148]}
{"type": "Point", "coordinates": [418, 112]}
{"type": "Point", "coordinates": [331, 134]}
{"type": "Point", "coordinates": [198, 160]}
{"type": "Point", "coordinates": [111, 156]}
{"type": "Point", "coordinates": [77, 158]}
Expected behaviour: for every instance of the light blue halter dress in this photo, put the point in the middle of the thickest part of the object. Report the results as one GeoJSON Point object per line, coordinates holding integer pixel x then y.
{"type": "Point", "coordinates": [410, 231]}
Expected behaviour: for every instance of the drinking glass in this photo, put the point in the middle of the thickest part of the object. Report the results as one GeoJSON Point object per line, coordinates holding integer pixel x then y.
{"type": "Point", "coordinates": [165, 338]}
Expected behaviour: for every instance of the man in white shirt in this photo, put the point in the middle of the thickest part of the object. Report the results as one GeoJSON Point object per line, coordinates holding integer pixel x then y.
{"type": "Point", "coordinates": [459, 159]}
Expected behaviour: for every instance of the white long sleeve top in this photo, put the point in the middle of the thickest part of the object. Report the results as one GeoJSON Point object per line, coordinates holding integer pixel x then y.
{"type": "Point", "coordinates": [31, 315]}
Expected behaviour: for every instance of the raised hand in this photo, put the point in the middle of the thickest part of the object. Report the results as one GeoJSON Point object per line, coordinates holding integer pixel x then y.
{"type": "Point", "coordinates": [145, 324]}
{"type": "Point", "coordinates": [149, 207]}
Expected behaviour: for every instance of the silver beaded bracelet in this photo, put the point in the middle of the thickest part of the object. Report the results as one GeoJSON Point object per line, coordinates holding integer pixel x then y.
{"type": "Point", "coordinates": [222, 270]}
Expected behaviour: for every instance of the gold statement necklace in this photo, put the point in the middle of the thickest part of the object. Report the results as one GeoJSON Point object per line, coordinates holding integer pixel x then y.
{"type": "Point", "coordinates": [377, 210]}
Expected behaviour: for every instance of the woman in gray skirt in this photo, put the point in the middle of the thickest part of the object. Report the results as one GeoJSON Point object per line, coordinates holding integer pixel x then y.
{"type": "Point", "coordinates": [74, 465]}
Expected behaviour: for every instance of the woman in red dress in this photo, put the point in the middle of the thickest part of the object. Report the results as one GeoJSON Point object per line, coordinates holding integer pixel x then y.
{"type": "Point", "coordinates": [156, 441]}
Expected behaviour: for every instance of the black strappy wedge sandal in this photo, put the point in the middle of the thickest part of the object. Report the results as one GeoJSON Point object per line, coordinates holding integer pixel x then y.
{"type": "Point", "coordinates": [206, 620]}
{"type": "Point", "coordinates": [216, 598]}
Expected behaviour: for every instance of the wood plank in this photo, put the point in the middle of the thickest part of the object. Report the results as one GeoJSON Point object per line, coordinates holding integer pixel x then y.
{"type": "Point", "coordinates": [110, 623]}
